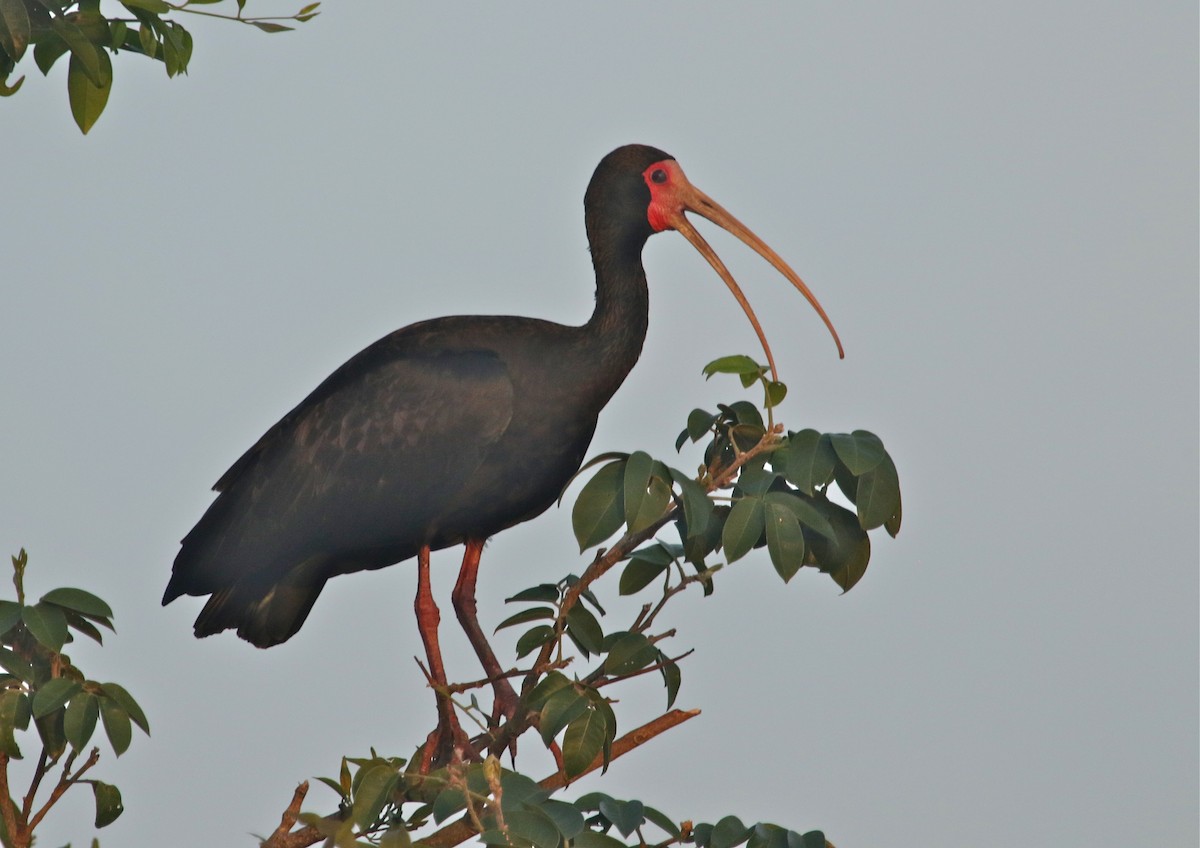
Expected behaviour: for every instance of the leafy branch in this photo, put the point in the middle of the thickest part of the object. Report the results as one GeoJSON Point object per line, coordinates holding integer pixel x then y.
{"type": "Point", "coordinates": [40, 683]}
{"type": "Point", "coordinates": [759, 486]}
{"type": "Point", "coordinates": [55, 28]}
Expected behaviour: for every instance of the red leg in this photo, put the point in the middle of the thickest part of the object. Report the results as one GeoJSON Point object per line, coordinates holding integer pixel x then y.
{"type": "Point", "coordinates": [448, 734]}
{"type": "Point", "coordinates": [463, 599]}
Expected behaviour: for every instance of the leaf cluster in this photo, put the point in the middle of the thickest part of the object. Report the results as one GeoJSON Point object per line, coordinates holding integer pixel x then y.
{"type": "Point", "coordinates": [759, 486]}
{"type": "Point", "coordinates": [40, 685]}
{"type": "Point", "coordinates": [56, 28]}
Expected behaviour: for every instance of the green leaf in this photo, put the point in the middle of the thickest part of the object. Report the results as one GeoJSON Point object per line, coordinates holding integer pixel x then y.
{"type": "Point", "coordinates": [87, 99]}
{"type": "Point", "coordinates": [267, 26]}
{"type": "Point", "coordinates": [526, 616]}
{"type": "Point", "coordinates": [48, 51]}
{"type": "Point", "coordinates": [47, 623]}
{"type": "Point", "coordinates": [374, 791]}
{"type": "Point", "coordinates": [396, 836]}
{"type": "Point", "coordinates": [754, 479]}
{"type": "Point", "coordinates": [699, 424]}
{"type": "Point", "coordinates": [148, 40]}
{"type": "Point", "coordinates": [600, 508]}
{"type": "Point", "coordinates": [743, 528]}
{"type": "Point", "coordinates": [108, 803]}
{"type": "Point", "coordinates": [878, 495]}
{"type": "Point", "coordinates": [775, 393]}
{"type": "Point", "coordinates": [595, 839]}
{"type": "Point", "coordinates": [844, 558]}
{"type": "Point", "coordinates": [585, 630]}
{"type": "Point", "coordinates": [547, 686]}
{"type": "Point", "coordinates": [638, 574]}
{"type": "Point", "coordinates": [697, 508]}
{"type": "Point", "coordinates": [628, 652]}
{"type": "Point", "coordinates": [77, 599]}
{"type": "Point", "coordinates": [14, 28]}
{"type": "Point", "coordinates": [10, 614]}
{"type": "Point", "coordinates": [545, 592]}
{"type": "Point", "coordinates": [562, 708]}
{"type": "Point", "coordinates": [626, 816]}
{"type": "Point", "coordinates": [860, 451]}
{"type": "Point", "coordinates": [532, 639]}
{"type": "Point", "coordinates": [118, 693]}
{"type": "Point", "coordinates": [672, 678]}
{"type": "Point", "coordinates": [533, 826]}
{"type": "Point", "coordinates": [734, 365]}
{"type": "Point", "coordinates": [583, 742]}
{"type": "Point", "coordinates": [807, 514]}
{"type": "Point", "coordinates": [90, 58]}
{"type": "Point", "coordinates": [728, 832]}
{"type": "Point", "coordinates": [79, 722]}
{"type": "Point", "coordinates": [154, 7]}
{"type": "Point", "coordinates": [53, 694]}
{"type": "Point", "coordinates": [645, 494]}
{"type": "Point", "coordinates": [807, 461]}
{"type": "Point", "coordinates": [13, 705]}
{"type": "Point", "coordinates": [50, 730]}
{"type": "Point", "coordinates": [16, 666]}
{"type": "Point", "coordinates": [116, 725]}
{"type": "Point", "coordinates": [662, 822]}
{"type": "Point", "coordinates": [785, 539]}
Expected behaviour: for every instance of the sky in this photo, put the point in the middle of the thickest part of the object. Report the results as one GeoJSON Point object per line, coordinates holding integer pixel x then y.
{"type": "Point", "coordinates": [997, 205]}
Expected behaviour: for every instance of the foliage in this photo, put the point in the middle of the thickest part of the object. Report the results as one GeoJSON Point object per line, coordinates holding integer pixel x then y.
{"type": "Point", "coordinates": [41, 684]}
{"type": "Point", "coordinates": [150, 28]}
{"type": "Point", "coordinates": [759, 486]}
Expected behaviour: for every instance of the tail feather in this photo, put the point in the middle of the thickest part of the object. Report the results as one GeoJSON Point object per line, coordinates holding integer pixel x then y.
{"type": "Point", "coordinates": [263, 618]}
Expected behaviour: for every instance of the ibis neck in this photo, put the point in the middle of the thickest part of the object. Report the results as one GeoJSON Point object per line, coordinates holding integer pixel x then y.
{"type": "Point", "coordinates": [617, 328]}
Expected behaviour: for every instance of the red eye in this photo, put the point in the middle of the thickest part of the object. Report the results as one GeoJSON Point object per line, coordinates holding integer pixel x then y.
{"type": "Point", "coordinates": [659, 176]}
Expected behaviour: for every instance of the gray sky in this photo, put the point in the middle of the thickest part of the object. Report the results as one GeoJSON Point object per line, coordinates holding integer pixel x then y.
{"type": "Point", "coordinates": [997, 204]}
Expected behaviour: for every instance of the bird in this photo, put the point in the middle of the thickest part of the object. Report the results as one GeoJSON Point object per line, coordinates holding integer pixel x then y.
{"type": "Point", "coordinates": [443, 433]}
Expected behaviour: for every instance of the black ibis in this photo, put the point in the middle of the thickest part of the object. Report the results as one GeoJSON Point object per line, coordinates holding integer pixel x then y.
{"type": "Point", "coordinates": [442, 433]}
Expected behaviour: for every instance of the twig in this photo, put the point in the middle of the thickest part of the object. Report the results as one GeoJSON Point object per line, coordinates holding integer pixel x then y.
{"type": "Point", "coordinates": [64, 783]}
{"type": "Point", "coordinates": [291, 815]}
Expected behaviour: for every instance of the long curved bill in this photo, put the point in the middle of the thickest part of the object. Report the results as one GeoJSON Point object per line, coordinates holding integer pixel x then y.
{"type": "Point", "coordinates": [686, 197]}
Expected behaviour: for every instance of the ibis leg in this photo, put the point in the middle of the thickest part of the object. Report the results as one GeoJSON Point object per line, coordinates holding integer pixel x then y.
{"type": "Point", "coordinates": [463, 598]}
{"type": "Point", "coordinates": [448, 735]}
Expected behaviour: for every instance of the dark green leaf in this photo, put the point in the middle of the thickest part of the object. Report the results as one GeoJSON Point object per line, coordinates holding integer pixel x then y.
{"type": "Point", "coordinates": [785, 539]}
{"type": "Point", "coordinates": [638, 574]}
{"type": "Point", "coordinates": [743, 528]}
{"type": "Point", "coordinates": [77, 622]}
{"type": "Point", "coordinates": [737, 364]}
{"type": "Point", "coordinates": [585, 630]}
{"type": "Point", "coordinates": [374, 791]}
{"type": "Point", "coordinates": [697, 508]}
{"type": "Point", "coordinates": [108, 803]}
{"type": "Point", "coordinates": [77, 599]}
{"type": "Point", "coordinates": [14, 28]}
{"type": "Point", "coordinates": [15, 665]}
{"type": "Point", "coordinates": [79, 722]}
{"type": "Point", "coordinates": [646, 494]}
{"type": "Point", "coordinates": [116, 725]}
{"type": "Point", "coordinates": [844, 559]}
{"type": "Point", "coordinates": [860, 451]}
{"type": "Point", "coordinates": [154, 7]}
{"type": "Point", "coordinates": [671, 679]}
{"type": "Point", "coordinates": [807, 461]}
{"type": "Point", "coordinates": [50, 731]}
{"type": "Point", "coordinates": [526, 616]}
{"type": "Point", "coordinates": [90, 60]}
{"type": "Point", "coordinates": [745, 413]}
{"type": "Point", "coordinates": [10, 614]}
{"type": "Point", "coordinates": [661, 821]}
{"type": "Point", "coordinates": [805, 512]}
{"type": "Point", "coordinates": [546, 593]}
{"type": "Point", "coordinates": [117, 692]}
{"type": "Point", "coordinates": [267, 26]}
{"type": "Point", "coordinates": [533, 639]}
{"type": "Point", "coordinates": [583, 742]}
{"type": "Point", "coordinates": [628, 652]}
{"type": "Point", "coordinates": [13, 704]}
{"type": "Point", "coordinates": [878, 495]}
{"type": "Point", "coordinates": [595, 839]}
{"type": "Point", "coordinates": [48, 51]}
{"type": "Point", "coordinates": [775, 393]}
{"type": "Point", "coordinates": [562, 708]}
{"type": "Point", "coordinates": [728, 832]}
{"type": "Point", "coordinates": [754, 479]}
{"type": "Point", "coordinates": [567, 819]}
{"type": "Point", "coordinates": [533, 826]}
{"type": "Point", "coordinates": [448, 803]}
{"type": "Point", "coordinates": [53, 694]}
{"type": "Point", "coordinates": [626, 816]}
{"type": "Point", "coordinates": [600, 508]}
{"type": "Point", "coordinates": [547, 686]}
{"type": "Point", "coordinates": [119, 29]}
{"type": "Point", "coordinates": [699, 424]}
{"type": "Point", "coordinates": [87, 99]}
{"type": "Point", "coordinates": [47, 623]}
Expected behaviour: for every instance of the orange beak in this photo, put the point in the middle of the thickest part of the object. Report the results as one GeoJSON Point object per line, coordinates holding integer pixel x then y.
{"type": "Point", "coordinates": [672, 198]}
